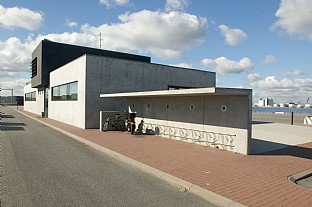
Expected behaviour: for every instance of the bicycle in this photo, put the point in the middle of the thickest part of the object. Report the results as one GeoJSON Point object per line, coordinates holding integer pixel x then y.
{"type": "Point", "coordinates": [117, 123]}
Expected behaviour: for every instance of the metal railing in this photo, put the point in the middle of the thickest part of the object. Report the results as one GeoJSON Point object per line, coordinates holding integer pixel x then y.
{"type": "Point", "coordinates": [208, 138]}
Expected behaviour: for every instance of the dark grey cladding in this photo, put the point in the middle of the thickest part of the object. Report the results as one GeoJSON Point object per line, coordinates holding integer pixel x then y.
{"type": "Point", "coordinates": [49, 56]}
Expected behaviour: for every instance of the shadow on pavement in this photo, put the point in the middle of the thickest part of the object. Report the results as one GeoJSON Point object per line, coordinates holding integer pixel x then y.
{"type": "Point", "coordinates": [5, 116]}
{"type": "Point", "coordinates": [261, 122]}
{"type": "Point", "coordinates": [296, 151]}
{"type": "Point", "coordinates": [261, 147]}
{"type": "Point", "coordinates": [11, 126]}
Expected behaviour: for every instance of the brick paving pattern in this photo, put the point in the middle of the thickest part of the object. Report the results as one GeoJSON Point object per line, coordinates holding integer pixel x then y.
{"type": "Point", "coordinates": [253, 180]}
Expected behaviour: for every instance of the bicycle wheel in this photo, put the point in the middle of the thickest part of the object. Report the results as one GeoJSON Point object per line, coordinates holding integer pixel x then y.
{"type": "Point", "coordinates": [120, 125]}
{"type": "Point", "coordinates": [105, 126]}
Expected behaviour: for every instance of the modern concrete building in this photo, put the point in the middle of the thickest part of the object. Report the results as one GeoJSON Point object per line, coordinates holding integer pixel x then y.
{"type": "Point", "coordinates": [267, 102]}
{"type": "Point", "coordinates": [71, 92]}
{"type": "Point", "coordinates": [218, 117]}
{"type": "Point", "coordinates": [67, 82]}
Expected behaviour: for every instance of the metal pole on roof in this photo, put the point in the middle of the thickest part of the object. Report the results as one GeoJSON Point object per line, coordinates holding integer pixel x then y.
{"type": "Point", "coordinates": [100, 40]}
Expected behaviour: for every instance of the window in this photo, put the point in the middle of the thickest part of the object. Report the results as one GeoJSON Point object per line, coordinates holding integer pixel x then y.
{"type": "Point", "coordinates": [68, 91]}
{"type": "Point", "coordinates": [30, 96]}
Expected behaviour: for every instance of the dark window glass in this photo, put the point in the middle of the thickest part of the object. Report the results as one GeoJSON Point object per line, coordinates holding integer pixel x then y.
{"type": "Point", "coordinates": [68, 91]}
{"type": "Point", "coordinates": [30, 96]}
{"type": "Point", "coordinates": [34, 67]}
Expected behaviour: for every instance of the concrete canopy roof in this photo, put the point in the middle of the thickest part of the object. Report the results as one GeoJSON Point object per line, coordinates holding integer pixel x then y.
{"type": "Point", "coordinates": [182, 92]}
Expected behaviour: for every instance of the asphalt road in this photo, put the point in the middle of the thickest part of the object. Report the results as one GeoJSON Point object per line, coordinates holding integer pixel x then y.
{"type": "Point", "coordinates": [42, 167]}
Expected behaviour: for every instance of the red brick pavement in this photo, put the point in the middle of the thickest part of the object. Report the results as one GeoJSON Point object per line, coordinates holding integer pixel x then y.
{"type": "Point", "coordinates": [253, 180]}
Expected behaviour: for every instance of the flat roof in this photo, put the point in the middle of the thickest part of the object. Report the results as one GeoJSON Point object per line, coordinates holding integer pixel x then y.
{"type": "Point", "coordinates": [182, 92]}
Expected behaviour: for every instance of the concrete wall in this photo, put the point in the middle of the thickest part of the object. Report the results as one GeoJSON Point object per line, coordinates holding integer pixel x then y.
{"type": "Point", "coordinates": [70, 111]}
{"type": "Point", "coordinates": [99, 75]}
{"type": "Point", "coordinates": [52, 55]}
{"type": "Point", "coordinates": [198, 119]}
{"type": "Point", "coordinates": [37, 53]}
{"type": "Point", "coordinates": [37, 106]}
{"type": "Point", "coordinates": [109, 75]}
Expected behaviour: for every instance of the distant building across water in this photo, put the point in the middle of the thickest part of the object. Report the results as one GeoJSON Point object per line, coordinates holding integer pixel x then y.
{"type": "Point", "coordinates": [265, 102]}
{"type": "Point", "coordinates": [268, 102]}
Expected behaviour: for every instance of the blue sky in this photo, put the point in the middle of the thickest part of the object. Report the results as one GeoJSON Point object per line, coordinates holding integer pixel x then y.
{"type": "Point", "coordinates": [264, 45]}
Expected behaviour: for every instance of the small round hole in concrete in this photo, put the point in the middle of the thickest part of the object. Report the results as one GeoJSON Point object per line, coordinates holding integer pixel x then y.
{"type": "Point", "coordinates": [223, 108]}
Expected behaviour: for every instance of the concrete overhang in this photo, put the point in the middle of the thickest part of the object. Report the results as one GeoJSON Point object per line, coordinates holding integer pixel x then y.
{"type": "Point", "coordinates": [182, 92]}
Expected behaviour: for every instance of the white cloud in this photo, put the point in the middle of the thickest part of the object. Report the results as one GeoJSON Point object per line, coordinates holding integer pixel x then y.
{"type": "Point", "coordinates": [183, 65]}
{"type": "Point", "coordinates": [176, 5]}
{"type": "Point", "coordinates": [218, 82]}
{"type": "Point", "coordinates": [295, 18]}
{"type": "Point", "coordinates": [165, 35]}
{"type": "Point", "coordinates": [294, 73]}
{"type": "Point", "coordinates": [17, 86]}
{"type": "Point", "coordinates": [252, 77]}
{"type": "Point", "coordinates": [112, 3]}
{"type": "Point", "coordinates": [71, 23]}
{"type": "Point", "coordinates": [223, 65]}
{"type": "Point", "coordinates": [283, 90]}
{"type": "Point", "coordinates": [8, 74]}
{"type": "Point", "coordinates": [20, 17]}
{"type": "Point", "coordinates": [15, 56]}
{"type": "Point", "coordinates": [232, 36]}
{"type": "Point", "coordinates": [272, 84]}
{"type": "Point", "coordinates": [269, 59]}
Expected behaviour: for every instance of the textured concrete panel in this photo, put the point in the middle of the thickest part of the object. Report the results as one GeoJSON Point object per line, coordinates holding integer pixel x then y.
{"type": "Point", "coordinates": [221, 121]}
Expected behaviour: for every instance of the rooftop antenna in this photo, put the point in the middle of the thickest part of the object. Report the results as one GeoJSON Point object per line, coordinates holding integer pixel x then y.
{"type": "Point", "coordinates": [101, 40]}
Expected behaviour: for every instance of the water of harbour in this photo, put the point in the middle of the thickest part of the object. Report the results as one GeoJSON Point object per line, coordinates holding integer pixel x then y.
{"type": "Point", "coordinates": [281, 109]}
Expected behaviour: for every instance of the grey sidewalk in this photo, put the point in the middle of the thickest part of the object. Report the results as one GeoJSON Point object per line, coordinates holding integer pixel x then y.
{"type": "Point", "coordinates": [224, 177]}
{"type": "Point", "coordinates": [273, 136]}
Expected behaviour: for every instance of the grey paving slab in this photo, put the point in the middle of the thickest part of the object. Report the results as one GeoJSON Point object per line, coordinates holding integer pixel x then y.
{"type": "Point", "coordinates": [273, 136]}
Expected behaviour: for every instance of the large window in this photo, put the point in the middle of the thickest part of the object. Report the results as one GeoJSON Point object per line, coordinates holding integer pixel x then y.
{"type": "Point", "coordinates": [30, 96]}
{"type": "Point", "coordinates": [68, 91]}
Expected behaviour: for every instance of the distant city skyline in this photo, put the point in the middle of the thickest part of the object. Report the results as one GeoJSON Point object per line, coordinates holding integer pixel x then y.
{"type": "Point", "coordinates": [249, 44]}
{"type": "Point", "coordinates": [263, 102]}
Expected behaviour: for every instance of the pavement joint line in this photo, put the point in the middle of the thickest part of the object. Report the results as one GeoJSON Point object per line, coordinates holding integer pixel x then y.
{"type": "Point", "coordinates": [179, 183]}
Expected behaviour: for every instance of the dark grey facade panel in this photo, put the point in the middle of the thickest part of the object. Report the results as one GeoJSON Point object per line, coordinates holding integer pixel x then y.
{"type": "Point", "coordinates": [52, 55]}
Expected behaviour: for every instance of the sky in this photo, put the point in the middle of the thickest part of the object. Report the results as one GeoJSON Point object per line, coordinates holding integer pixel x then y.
{"type": "Point", "coordinates": [264, 45]}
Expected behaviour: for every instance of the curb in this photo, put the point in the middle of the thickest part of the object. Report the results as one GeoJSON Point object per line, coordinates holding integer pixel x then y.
{"type": "Point", "coordinates": [299, 176]}
{"type": "Point", "coordinates": [183, 185]}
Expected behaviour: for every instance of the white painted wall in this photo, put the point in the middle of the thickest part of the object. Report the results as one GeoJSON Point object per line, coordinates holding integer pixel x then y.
{"type": "Point", "coordinates": [70, 111]}
{"type": "Point", "coordinates": [37, 106]}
